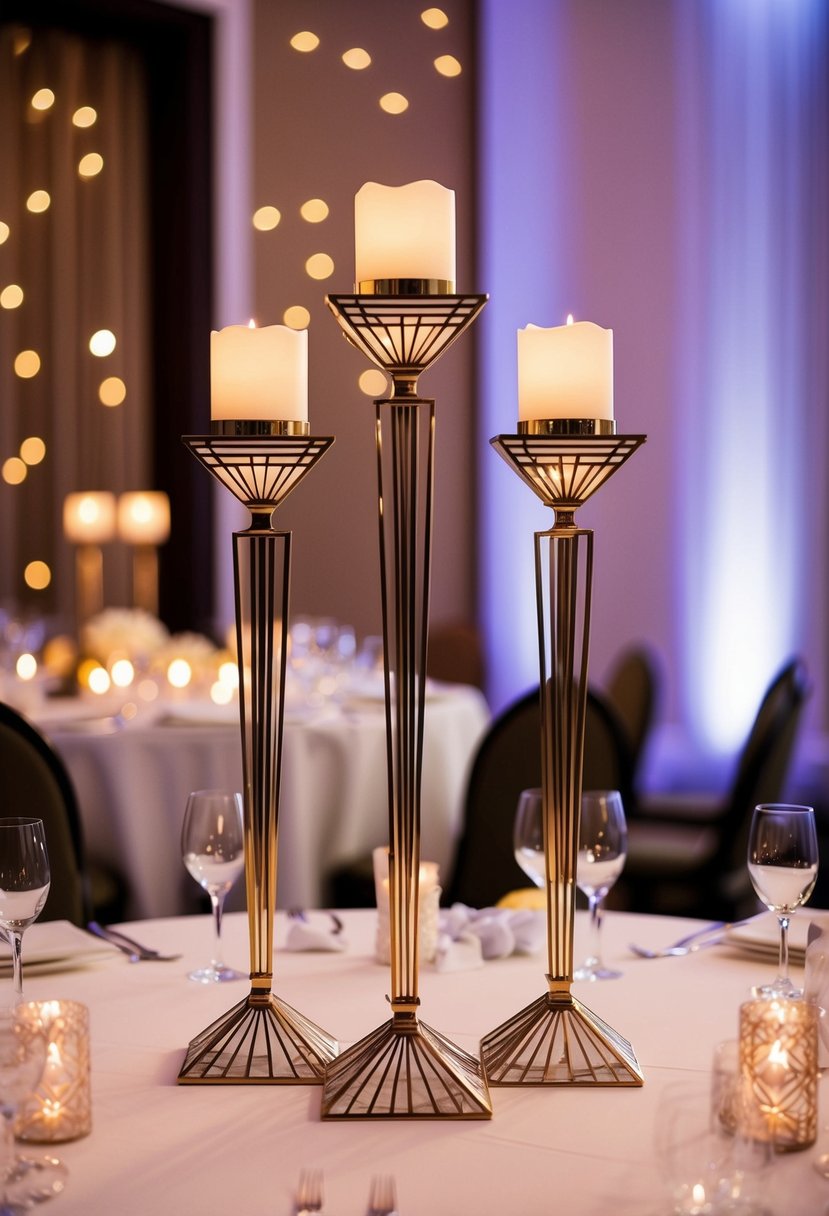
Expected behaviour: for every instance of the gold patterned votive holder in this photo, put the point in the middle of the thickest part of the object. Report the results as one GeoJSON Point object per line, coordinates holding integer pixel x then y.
{"type": "Point", "coordinates": [778, 1061]}
{"type": "Point", "coordinates": [61, 1106]}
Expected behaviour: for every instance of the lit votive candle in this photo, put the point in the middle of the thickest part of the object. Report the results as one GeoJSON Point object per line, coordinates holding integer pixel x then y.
{"type": "Point", "coordinates": [778, 1062]}
{"type": "Point", "coordinates": [259, 375]}
{"type": "Point", "coordinates": [404, 234]}
{"type": "Point", "coordinates": [428, 906]}
{"type": "Point", "coordinates": [61, 1106]}
{"type": "Point", "coordinates": [565, 372]}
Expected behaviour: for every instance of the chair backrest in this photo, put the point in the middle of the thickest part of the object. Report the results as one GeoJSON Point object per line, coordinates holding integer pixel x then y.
{"type": "Point", "coordinates": [766, 757]}
{"type": "Point", "coordinates": [34, 782]}
{"type": "Point", "coordinates": [508, 761]}
{"type": "Point", "coordinates": [633, 689]}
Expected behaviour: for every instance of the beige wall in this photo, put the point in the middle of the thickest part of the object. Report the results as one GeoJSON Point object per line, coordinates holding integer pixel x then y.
{"type": "Point", "coordinates": [319, 133]}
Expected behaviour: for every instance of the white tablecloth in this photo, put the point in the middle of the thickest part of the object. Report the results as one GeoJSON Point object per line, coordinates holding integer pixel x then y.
{"type": "Point", "coordinates": [132, 786]}
{"type": "Point", "coordinates": [215, 1150]}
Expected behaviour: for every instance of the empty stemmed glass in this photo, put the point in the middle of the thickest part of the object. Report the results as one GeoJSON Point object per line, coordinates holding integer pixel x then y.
{"type": "Point", "coordinates": [24, 883]}
{"type": "Point", "coordinates": [782, 864]}
{"type": "Point", "coordinates": [24, 1181]}
{"type": "Point", "coordinates": [212, 845]}
{"type": "Point", "coordinates": [602, 853]}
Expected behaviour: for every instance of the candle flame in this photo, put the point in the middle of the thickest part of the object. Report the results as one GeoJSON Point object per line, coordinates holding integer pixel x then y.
{"type": "Point", "coordinates": [569, 318]}
{"type": "Point", "coordinates": [251, 324]}
{"type": "Point", "coordinates": [778, 1054]}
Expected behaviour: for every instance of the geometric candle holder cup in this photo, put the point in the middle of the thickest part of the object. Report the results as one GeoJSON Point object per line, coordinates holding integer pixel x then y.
{"type": "Point", "coordinates": [261, 1039]}
{"type": "Point", "coordinates": [404, 1068]}
{"type": "Point", "coordinates": [556, 1040]}
{"type": "Point", "coordinates": [60, 1108]}
{"type": "Point", "coordinates": [779, 1064]}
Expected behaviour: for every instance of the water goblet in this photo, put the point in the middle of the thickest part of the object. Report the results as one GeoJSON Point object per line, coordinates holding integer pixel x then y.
{"type": "Point", "coordinates": [602, 852]}
{"type": "Point", "coordinates": [212, 845]}
{"type": "Point", "coordinates": [528, 835]}
{"type": "Point", "coordinates": [24, 883]}
{"type": "Point", "coordinates": [24, 1181]}
{"type": "Point", "coordinates": [782, 864]}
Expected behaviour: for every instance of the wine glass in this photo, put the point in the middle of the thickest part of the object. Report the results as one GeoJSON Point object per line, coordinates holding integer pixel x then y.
{"type": "Point", "coordinates": [24, 883]}
{"type": "Point", "coordinates": [24, 1181]}
{"type": "Point", "coordinates": [212, 845]}
{"type": "Point", "coordinates": [782, 864]}
{"type": "Point", "coordinates": [528, 835]}
{"type": "Point", "coordinates": [603, 846]}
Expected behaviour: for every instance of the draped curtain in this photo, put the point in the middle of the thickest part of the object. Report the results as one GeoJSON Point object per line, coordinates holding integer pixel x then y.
{"type": "Point", "coordinates": [82, 265]}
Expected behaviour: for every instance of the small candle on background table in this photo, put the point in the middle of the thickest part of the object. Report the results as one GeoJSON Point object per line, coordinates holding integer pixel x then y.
{"type": "Point", "coordinates": [565, 372]}
{"type": "Point", "coordinates": [259, 374]}
{"type": "Point", "coordinates": [428, 905]}
{"type": "Point", "coordinates": [61, 1106]}
{"type": "Point", "coordinates": [404, 232]}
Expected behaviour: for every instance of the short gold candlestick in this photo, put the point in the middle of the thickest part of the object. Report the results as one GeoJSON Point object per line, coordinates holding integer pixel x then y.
{"type": "Point", "coordinates": [556, 1040]}
{"type": "Point", "coordinates": [261, 1039]}
{"type": "Point", "coordinates": [404, 1068]}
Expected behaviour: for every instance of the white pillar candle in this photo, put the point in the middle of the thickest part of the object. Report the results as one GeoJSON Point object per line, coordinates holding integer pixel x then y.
{"type": "Point", "coordinates": [565, 372]}
{"type": "Point", "coordinates": [259, 374]}
{"type": "Point", "coordinates": [144, 517]}
{"type": "Point", "coordinates": [429, 893]}
{"type": "Point", "coordinates": [404, 232]}
{"type": "Point", "coordinates": [89, 517]}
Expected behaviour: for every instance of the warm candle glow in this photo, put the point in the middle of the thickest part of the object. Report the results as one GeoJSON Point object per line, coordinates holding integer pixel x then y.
{"type": "Point", "coordinates": [144, 517]}
{"type": "Point", "coordinates": [405, 232]}
{"type": "Point", "coordinates": [60, 1107]}
{"type": "Point", "coordinates": [778, 1062]}
{"type": "Point", "coordinates": [89, 518]}
{"type": "Point", "coordinates": [259, 373]}
{"type": "Point", "coordinates": [565, 372]}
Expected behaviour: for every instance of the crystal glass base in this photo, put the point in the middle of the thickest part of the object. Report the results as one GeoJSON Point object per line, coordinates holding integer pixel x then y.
{"type": "Point", "coordinates": [217, 973]}
{"type": "Point", "coordinates": [31, 1180]}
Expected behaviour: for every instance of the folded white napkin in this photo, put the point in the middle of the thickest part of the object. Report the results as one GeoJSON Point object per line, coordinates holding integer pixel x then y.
{"type": "Point", "coordinates": [816, 982]}
{"type": "Point", "coordinates": [467, 937]}
{"type": "Point", "coordinates": [305, 935]}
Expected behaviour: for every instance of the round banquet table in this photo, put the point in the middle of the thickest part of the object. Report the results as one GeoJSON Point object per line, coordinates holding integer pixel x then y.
{"type": "Point", "coordinates": [132, 780]}
{"type": "Point", "coordinates": [159, 1147]}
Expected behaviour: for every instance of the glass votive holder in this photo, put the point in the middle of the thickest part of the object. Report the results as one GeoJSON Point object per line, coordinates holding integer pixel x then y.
{"type": "Point", "coordinates": [61, 1107]}
{"type": "Point", "coordinates": [779, 1064]}
{"type": "Point", "coordinates": [428, 908]}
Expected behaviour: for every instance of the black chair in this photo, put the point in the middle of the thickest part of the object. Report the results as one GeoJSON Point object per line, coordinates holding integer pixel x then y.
{"type": "Point", "coordinates": [633, 687]}
{"type": "Point", "coordinates": [687, 853]}
{"type": "Point", "coordinates": [508, 761]}
{"type": "Point", "coordinates": [35, 783]}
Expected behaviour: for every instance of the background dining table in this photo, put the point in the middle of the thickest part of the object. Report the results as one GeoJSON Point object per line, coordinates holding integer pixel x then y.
{"type": "Point", "coordinates": [159, 1147]}
{"type": "Point", "coordinates": [132, 779]}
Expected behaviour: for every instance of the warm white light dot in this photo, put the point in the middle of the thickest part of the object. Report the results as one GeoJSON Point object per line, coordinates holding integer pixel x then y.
{"type": "Point", "coordinates": [99, 681]}
{"type": "Point", "coordinates": [221, 694]}
{"type": "Point", "coordinates": [4, 232]}
{"type": "Point", "coordinates": [393, 103]}
{"type": "Point", "coordinates": [314, 211]}
{"type": "Point", "coordinates": [123, 673]}
{"type": "Point", "coordinates": [102, 343]}
{"type": "Point", "coordinates": [266, 218]}
{"type": "Point", "coordinates": [319, 266]}
{"type": "Point", "coordinates": [90, 165]}
{"type": "Point", "coordinates": [32, 450]}
{"type": "Point", "coordinates": [27, 364]}
{"type": "Point", "coordinates": [373, 382]}
{"type": "Point", "coordinates": [38, 201]}
{"type": "Point", "coordinates": [229, 674]}
{"type": "Point", "coordinates": [357, 59]}
{"type": "Point", "coordinates": [43, 99]}
{"type": "Point", "coordinates": [85, 116]}
{"type": "Point", "coordinates": [435, 18]}
{"type": "Point", "coordinates": [179, 673]}
{"type": "Point", "coordinates": [37, 575]}
{"type": "Point", "coordinates": [297, 317]}
{"type": "Point", "coordinates": [569, 318]}
{"type": "Point", "coordinates": [26, 667]}
{"type": "Point", "coordinates": [14, 471]}
{"type": "Point", "coordinates": [305, 41]}
{"type": "Point", "coordinates": [11, 296]}
{"type": "Point", "coordinates": [448, 65]}
{"type": "Point", "coordinates": [112, 391]}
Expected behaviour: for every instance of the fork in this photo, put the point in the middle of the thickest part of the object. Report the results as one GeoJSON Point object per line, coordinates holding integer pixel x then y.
{"type": "Point", "coordinates": [309, 1193]}
{"type": "Point", "coordinates": [711, 935]}
{"type": "Point", "coordinates": [382, 1198]}
{"type": "Point", "coordinates": [301, 914]}
{"type": "Point", "coordinates": [134, 951]}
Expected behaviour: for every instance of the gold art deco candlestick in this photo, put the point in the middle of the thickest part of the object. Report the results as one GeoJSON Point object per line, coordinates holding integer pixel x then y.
{"type": "Point", "coordinates": [261, 1039]}
{"type": "Point", "coordinates": [556, 1040]}
{"type": "Point", "coordinates": [404, 1068]}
